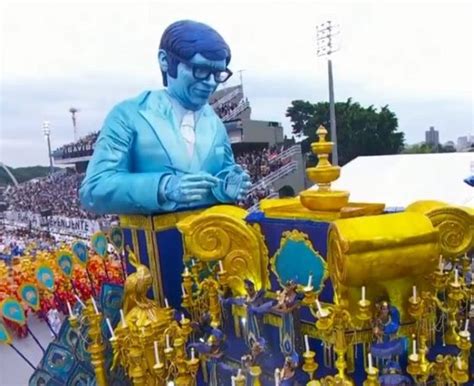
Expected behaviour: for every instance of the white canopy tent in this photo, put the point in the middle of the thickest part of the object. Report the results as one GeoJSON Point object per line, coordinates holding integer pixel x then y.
{"type": "Point", "coordinates": [399, 180]}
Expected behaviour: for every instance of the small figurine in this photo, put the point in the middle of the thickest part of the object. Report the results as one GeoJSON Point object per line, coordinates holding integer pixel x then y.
{"type": "Point", "coordinates": [287, 303]}
{"type": "Point", "coordinates": [256, 306]}
{"type": "Point", "coordinates": [254, 357]}
{"type": "Point", "coordinates": [392, 375]}
{"type": "Point", "coordinates": [213, 349]}
{"type": "Point", "coordinates": [385, 324]}
{"type": "Point", "coordinates": [288, 371]}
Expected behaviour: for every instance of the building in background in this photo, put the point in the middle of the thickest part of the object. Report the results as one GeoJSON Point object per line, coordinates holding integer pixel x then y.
{"type": "Point", "coordinates": [432, 137]}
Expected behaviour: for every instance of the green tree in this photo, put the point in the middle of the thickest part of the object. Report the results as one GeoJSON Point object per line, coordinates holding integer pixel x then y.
{"type": "Point", "coordinates": [360, 130]}
{"type": "Point", "coordinates": [424, 148]}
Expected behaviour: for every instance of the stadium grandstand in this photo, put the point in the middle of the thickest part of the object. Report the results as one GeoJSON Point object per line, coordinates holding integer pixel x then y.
{"type": "Point", "coordinates": [276, 167]}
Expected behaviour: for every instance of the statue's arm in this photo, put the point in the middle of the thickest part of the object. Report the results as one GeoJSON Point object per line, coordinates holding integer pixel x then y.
{"type": "Point", "coordinates": [109, 185]}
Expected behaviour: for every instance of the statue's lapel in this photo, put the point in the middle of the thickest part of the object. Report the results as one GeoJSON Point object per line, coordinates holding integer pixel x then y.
{"type": "Point", "coordinates": [157, 111]}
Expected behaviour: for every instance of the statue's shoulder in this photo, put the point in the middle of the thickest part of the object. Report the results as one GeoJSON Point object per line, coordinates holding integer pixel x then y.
{"type": "Point", "coordinates": [141, 101]}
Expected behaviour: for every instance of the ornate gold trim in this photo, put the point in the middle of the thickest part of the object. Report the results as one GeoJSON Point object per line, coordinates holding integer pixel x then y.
{"type": "Point", "coordinates": [154, 266]}
{"type": "Point", "coordinates": [221, 233]}
{"type": "Point", "coordinates": [135, 246]}
{"type": "Point", "coordinates": [455, 225]}
{"type": "Point", "coordinates": [135, 221]}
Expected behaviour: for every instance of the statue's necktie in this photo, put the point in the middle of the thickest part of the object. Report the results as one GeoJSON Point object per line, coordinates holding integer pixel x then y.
{"type": "Point", "coordinates": [187, 131]}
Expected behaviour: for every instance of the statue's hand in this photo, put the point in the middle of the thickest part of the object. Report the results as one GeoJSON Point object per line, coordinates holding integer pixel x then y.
{"type": "Point", "coordinates": [189, 188]}
{"type": "Point", "coordinates": [245, 187]}
{"type": "Point", "coordinates": [237, 183]}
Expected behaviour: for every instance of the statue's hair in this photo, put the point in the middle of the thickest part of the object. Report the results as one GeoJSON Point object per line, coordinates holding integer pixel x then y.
{"type": "Point", "coordinates": [186, 38]}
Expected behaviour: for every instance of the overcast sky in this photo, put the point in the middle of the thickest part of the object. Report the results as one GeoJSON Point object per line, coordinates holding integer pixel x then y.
{"type": "Point", "coordinates": [417, 57]}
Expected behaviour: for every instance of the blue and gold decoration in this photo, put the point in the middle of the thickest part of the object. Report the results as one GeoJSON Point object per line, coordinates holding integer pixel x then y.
{"type": "Point", "coordinates": [80, 252]}
{"type": "Point", "coordinates": [12, 310]}
{"type": "Point", "coordinates": [29, 293]}
{"type": "Point", "coordinates": [296, 260]}
{"type": "Point", "coordinates": [65, 262]}
{"type": "Point", "coordinates": [99, 243]}
{"type": "Point", "coordinates": [116, 238]}
{"type": "Point", "coordinates": [45, 277]}
{"type": "Point", "coordinates": [5, 337]}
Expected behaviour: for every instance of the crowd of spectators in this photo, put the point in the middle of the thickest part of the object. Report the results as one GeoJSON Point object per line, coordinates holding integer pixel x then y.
{"type": "Point", "coordinates": [260, 163]}
{"type": "Point", "coordinates": [225, 108]}
{"type": "Point", "coordinates": [16, 241]}
{"type": "Point", "coordinates": [254, 197]}
{"type": "Point", "coordinates": [58, 192]}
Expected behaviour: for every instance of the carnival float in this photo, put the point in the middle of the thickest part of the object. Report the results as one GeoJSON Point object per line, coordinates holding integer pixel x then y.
{"type": "Point", "coordinates": [313, 290]}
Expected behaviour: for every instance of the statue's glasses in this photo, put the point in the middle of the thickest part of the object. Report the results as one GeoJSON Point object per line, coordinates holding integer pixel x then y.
{"type": "Point", "coordinates": [202, 72]}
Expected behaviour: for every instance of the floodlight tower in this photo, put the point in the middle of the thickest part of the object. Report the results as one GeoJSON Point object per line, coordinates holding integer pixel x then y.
{"type": "Point", "coordinates": [73, 112]}
{"type": "Point", "coordinates": [325, 33]}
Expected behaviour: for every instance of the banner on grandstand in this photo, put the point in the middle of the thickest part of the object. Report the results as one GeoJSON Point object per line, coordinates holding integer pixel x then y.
{"type": "Point", "coordinates": [55, 224]}
{"type": "Point", "coordinates": [78, 149]}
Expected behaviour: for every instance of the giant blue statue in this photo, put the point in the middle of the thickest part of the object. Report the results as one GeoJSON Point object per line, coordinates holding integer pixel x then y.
{"type": "Point", "coordinates": [167, 150]}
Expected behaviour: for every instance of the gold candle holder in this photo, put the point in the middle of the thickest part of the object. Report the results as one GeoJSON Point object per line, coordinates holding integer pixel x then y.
{"type": "Point", "coordinates": [439, 280]}
{"type": "Point", "coordinates": [372, 377]}
{"type": "Point", "coordinates": [169, 350]}
{"type": "Point", "coordinates": [309, 296]}
{"type": "Point", "coordinates": [413, 367]}
{"type": "Point", "coordinates": [240, 379]}
{"type": "Point", "coordinates": [364, 312]}
{"type": "Point", "coordinates": [186, 327]}
{"type": "Point", "coordinates": [255, 372]}
{"type": "Point", "coordinates": [310, 365]}
{"type": "Point", "coordinates": [193, 365]}
{"type": "Point", "coordinates": [185, 300]}
{"type": "Point", "coordinates": [415, 308]}
{"type": "Point", "coordinates": [455, 291]}
{"type": "Point", "coordinates": [159, 371]}
{"type": "Point", "coordinates": [136, 370]}
{"type": "Point", "coordinates": [464, 341]}
{"type": "Point", "coordinates": [223, 278]}
{"type": "Point", "coordinates": [460, 372]}
{"type": "Point", "coordinates": [324, 321]}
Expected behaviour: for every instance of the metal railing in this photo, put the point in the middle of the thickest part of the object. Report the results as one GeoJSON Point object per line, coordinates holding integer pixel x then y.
{"type": "Point", "coordinates": [226, 97]}
{"type": "Point", "coordinates": [290, 152]}
{"type": "Point", "coordinates": [240, 107]}
{"type": "Point", "coordinates": [274, 176]}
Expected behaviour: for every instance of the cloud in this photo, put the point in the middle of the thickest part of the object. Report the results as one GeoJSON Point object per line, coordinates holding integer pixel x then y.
{"type": "Point", "coordinates": [414, 56]}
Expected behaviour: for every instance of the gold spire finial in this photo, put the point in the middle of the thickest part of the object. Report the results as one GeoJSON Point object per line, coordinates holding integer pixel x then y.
{"type": "Point", "coordinates": [323, 199]}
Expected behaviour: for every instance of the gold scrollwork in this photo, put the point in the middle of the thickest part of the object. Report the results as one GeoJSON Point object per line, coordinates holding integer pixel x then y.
{"type": "Point", "coordinates": [221, 233]}
{"type": "Point", "coordinates": [455, 225]}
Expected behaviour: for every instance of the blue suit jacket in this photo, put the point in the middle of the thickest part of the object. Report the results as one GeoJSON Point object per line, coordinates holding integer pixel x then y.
{"type": "Point", "coordinates": [139, 143]}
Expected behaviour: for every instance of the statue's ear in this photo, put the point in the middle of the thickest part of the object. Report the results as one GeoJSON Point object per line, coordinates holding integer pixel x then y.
{"type": "Point", "coordinates": [163, 60]}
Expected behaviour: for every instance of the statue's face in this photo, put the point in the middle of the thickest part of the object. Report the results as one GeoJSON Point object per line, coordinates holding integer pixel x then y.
{"type": "Point", "coordinates": [191, 92]}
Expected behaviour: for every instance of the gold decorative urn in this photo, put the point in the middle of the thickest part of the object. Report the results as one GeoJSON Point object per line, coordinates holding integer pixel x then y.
{"type": "Point", "coordinates": [323, 198]}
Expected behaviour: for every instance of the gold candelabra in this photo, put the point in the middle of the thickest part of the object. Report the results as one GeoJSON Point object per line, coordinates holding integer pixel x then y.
{"type": "Point", "coordinates": [334, 321]}
{"type": "Point", "coordinates": [148, 342]}
{"type": "Point", "coordinates": [92, 318]}
{"type": "Point", "coordinates": [202, 295]}
{"type": "Point", "coordinates": [445, 369]}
